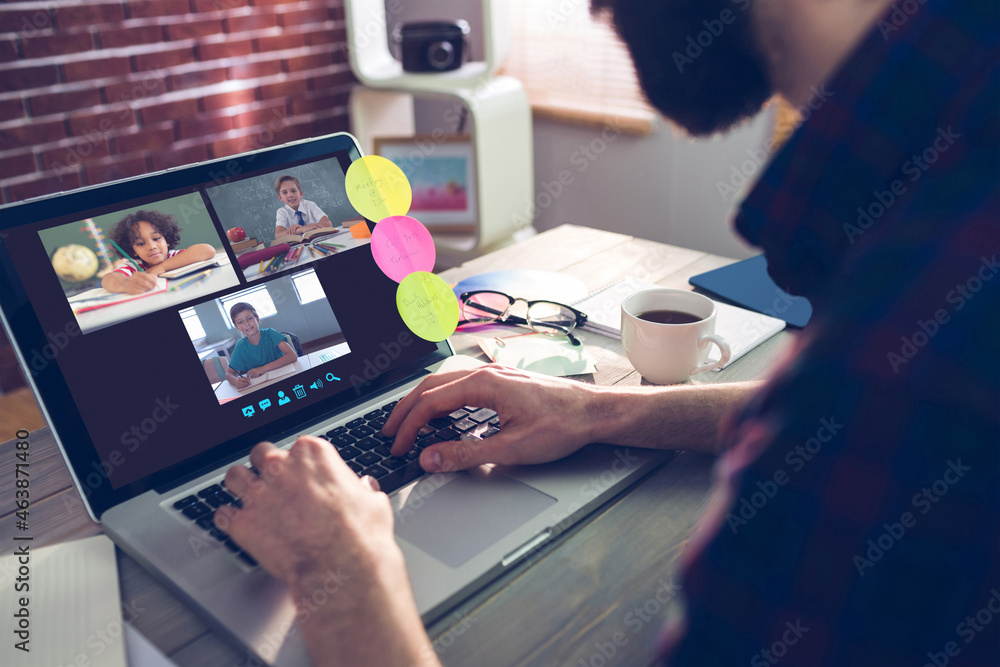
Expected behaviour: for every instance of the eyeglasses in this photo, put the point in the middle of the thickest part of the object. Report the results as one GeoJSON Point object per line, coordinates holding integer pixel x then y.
{"type": "Point", "coordinates": [547, 317]}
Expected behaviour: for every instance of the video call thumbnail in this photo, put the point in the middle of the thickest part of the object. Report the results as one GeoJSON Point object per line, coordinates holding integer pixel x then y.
{"type": "Point", "coordinates": [121, 265]}
{"type": "Point", "coordinates": [286, 219]}
{"type": "Point", "coordinates": [251, 338]}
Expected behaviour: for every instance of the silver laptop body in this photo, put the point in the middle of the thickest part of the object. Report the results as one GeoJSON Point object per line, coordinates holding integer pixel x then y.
{"type": "Point", "coordinates": [457, 531]}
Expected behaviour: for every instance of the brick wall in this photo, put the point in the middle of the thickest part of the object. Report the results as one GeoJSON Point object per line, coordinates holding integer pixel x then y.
{"type": "Point", "coordinates": [92, 91]}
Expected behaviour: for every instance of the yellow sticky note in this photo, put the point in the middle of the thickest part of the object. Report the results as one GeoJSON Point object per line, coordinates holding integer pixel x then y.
{"type": "Point", "coordinates": [427, 305]}
{"type": "Point", "coordinates": [377, 188]}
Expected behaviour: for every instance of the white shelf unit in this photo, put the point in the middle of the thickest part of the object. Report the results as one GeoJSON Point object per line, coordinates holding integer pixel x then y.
{"type": "Point", "coordinates": [498, 121]}
{"type": "Point", "coordinates": [375, 66]}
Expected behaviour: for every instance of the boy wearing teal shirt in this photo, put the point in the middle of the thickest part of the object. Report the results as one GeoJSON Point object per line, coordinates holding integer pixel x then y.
{"type": "Point", "coordinates": [259, 351]}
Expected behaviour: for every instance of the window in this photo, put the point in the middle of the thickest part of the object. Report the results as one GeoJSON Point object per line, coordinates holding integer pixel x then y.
{"type": "Point", "coordinates": [574, 66]}
{"type": "Point", "coordinates": [193, 324]}
{"type": "Point", "coordinates": [307, 287]}
{"type": "Point", "coordinates": [257, 297]}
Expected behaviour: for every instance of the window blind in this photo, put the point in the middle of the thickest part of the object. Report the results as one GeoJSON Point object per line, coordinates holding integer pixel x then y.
{"type": "Point", "coordinates": [574, 67]}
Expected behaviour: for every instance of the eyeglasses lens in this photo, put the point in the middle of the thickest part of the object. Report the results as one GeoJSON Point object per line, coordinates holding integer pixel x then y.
{"type": "Point", "coordinates": [485, 307]}
{"type": "Point", "coordinates": [551, 318]}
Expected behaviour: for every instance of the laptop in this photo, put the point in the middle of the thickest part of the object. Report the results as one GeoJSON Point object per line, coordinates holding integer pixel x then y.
{"type": "Point", "coordinates": [134, 385]}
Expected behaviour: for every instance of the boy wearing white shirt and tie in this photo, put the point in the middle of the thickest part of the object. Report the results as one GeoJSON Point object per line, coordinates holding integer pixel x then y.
{"type": "Point", "coordinates": [298, 215]}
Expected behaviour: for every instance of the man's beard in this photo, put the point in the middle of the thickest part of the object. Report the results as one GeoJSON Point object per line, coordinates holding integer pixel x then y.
{"type": "Point", "coordinates": [697, 60]}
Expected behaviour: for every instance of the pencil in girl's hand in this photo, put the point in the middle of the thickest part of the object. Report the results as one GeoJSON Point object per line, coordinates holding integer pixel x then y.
{"type": "Point", "coordinates": [126, 255]}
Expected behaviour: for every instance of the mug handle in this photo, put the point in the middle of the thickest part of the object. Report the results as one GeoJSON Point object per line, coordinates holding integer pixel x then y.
{"type": "Point", "coordinates": [723, 348]}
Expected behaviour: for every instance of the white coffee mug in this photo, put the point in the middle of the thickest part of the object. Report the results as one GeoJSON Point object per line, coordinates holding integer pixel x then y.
{"type": "Point", "coordinates": [670, 353]}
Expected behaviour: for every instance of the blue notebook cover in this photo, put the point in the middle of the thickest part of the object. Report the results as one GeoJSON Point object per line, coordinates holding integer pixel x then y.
{"type": "Point", "coordinates": [747, 284]}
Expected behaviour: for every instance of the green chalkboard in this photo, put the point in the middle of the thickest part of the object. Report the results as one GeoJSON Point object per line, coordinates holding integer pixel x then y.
{"type": "Point", "coordinates": [189, 211]}
{"type": "Point", "coordinates": [252, 204]}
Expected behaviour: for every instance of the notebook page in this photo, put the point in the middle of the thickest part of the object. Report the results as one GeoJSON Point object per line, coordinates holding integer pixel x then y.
{"type": "Point", "coordinates": [73, 605]}
{"type": "Point", "coordinates": [743, 329]}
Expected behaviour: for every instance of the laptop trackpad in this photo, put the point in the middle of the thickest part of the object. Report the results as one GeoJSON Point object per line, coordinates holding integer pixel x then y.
{"type": "Point", "coordinates": [466, 515]}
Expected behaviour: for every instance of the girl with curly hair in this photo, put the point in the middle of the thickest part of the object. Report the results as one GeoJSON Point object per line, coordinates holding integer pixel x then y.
{"type": "Point", "coordinates": [150, 238]}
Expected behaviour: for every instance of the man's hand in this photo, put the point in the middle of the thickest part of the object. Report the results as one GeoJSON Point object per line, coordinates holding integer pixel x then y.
{"type": "Point", "coordinates": [545, 418]}
{"type": "Point", "coordinates": [255, 372]}
{"type": "Point", "coordinates": [314, 525]}
{"type": "Point", "coordinates": [542, 418]}
{"type": "Point", "coordinates": [240, 381]}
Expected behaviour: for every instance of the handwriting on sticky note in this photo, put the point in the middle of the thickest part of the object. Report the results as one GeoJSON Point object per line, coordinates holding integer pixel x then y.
{"type": "Point", "coordinates": [377, 188]}
{"type": "Point", "coordinates": [427, 305]}
{"type": "Point", "coordinates": [402, 245]}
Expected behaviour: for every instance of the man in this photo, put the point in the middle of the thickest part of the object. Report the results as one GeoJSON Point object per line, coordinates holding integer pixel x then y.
{"type": "Point", "coordinates": [877, 440]}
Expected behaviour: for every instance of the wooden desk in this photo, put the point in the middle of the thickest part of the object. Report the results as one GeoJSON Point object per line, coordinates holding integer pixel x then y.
{"type": "Point", "coordinates": [604, 586]}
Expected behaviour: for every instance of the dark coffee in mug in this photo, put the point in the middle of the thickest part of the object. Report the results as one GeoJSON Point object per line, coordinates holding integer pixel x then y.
{"type": "Point", "coordinates": [668, 317]}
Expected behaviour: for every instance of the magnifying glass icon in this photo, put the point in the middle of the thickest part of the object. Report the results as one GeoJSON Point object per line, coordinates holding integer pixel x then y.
{"type": "Point", "coordinates": [330, 377]}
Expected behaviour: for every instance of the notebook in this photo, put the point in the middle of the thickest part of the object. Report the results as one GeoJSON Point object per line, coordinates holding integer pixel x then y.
{"type": "Point", "coordinates": [748, 284]}
{"type": "Point", "coordinates": [147, 435]}
{"type": "Point", "coordinates": [190, 269]}
{"type": "Point", "coordinates": [743, 329]}
{"type": "Point", "coordinates": [66, 611]}
{"type": "Point", "coordinates": [268, 377]}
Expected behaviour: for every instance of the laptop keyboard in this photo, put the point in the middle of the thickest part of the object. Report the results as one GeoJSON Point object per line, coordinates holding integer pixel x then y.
{"type": "Point", "coordinates": [363, 447]}
{"type": "Point", "coordinates": [365, 450]}
{"type": "Point", "coordinates": [200, 508]}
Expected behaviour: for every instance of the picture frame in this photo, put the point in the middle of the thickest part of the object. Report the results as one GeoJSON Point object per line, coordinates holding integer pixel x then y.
{"type": "Point", "coordinates": [442, 174]}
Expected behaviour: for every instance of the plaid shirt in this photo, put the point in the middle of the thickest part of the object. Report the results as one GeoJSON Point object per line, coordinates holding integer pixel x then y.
{"type": "Point", "coordinates": [857, 516]}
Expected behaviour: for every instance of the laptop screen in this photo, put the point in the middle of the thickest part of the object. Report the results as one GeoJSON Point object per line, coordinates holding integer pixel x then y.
{"type": "Point", "coordinates": [247, 306]}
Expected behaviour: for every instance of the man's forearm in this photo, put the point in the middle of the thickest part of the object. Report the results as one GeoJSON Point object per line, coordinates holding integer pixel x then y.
{"type": "Point", "coordinates": [365, 621]}
{"type": "Point", "coordinates": [687, 417]}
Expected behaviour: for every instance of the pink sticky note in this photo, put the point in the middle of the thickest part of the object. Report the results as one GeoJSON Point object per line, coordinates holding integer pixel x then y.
{"type": "Point", "coordinates": [402, 245]}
